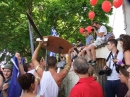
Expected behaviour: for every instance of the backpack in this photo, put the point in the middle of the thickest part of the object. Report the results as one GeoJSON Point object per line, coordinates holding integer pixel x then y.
{"type": "Point", "coordinates": [109, 36]}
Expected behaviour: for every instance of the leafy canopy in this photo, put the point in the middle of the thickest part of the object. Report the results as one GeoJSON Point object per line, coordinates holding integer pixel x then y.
{"type": "Point", "coordinates": [67, 16]}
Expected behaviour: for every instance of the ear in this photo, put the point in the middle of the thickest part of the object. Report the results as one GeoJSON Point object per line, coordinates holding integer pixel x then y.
{"type": "Point", "coordinates": [33, 85]}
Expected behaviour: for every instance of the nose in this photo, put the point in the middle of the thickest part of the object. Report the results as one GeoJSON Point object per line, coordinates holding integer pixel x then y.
{"type": "Point", "coordinates": [128, 70]}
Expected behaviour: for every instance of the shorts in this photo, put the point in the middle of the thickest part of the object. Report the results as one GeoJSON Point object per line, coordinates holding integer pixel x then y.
{"type": "Point", "coordinates": [98, 42]}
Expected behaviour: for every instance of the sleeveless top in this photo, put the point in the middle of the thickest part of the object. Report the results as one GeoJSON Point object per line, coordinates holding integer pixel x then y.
{"type": "Point", "coordinates": [49, 87]}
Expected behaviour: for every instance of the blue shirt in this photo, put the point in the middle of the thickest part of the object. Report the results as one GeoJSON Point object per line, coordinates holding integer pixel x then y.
{"type": "Point", "coordinates": [88, 39]}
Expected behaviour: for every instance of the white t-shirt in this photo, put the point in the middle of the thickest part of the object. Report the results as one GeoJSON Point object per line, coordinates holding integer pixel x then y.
{"type": "Point", "coordinates": [102, 29]}
{"type": "Point", "coordinates": [114, 74]}
{"type": "Point", "coordinates": [31, 71]}
{"type": "Point", "coordinates": [49, 87]}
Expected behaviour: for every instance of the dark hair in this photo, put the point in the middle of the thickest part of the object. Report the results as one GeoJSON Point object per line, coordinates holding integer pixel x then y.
{"type": "Point", "coordinates": [25, 81]}
{"type": "Point", "coordinates": [126, 42]}
{"type": "Point", "coordinates": [39, 59]}
{"type": "Point", "coordinates": [80, 65]}
{"type": "Point", "coordinates": [51, 61]}
{"type": "Point", "coordinates": [79, 40]}
{"type": "Point", "coordinates": [121, 35]}
{"type": "Point", "coordinates": [123, 70]}
{"type": "Point", "coordinates": [95, 22]}
{"type": "Point", "coordinates": [113, 41]}
{"type": "Point", "coordinates": [26, 66]}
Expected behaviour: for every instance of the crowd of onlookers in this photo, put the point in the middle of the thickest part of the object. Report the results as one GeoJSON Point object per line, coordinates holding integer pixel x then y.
{"type": "Point", "coordinates": [40, 78]}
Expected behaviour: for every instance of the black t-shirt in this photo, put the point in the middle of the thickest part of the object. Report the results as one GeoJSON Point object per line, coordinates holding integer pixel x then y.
{"type": "Point", "coordinates": [80, 45]}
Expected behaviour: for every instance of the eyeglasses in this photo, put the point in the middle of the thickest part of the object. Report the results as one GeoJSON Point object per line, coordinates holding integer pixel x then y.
{"type": "Point", "coordinates": [77, 41]}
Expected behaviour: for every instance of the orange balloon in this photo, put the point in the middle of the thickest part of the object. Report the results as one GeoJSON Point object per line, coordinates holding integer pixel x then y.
{"type": "Point", "coordinates": [106, 6]}
{"type": "Point", "coordinates": [117, 3]}
{"type": "Point", "coordinates": [91, 15]}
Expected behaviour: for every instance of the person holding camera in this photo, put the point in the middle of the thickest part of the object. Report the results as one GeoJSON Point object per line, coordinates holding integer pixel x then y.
{"type": "Point", "coordinates": [100, 33]}
{"type": "Point", "coordinates": [89, 40]}
{"type": "Point", "coordinates": [113, 81]}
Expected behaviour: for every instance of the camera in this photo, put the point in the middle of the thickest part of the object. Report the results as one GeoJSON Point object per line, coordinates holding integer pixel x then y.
{"type": "Point", "coordinates": [93, 27]}
{"type": "Point", "coordinates": [108, 71]}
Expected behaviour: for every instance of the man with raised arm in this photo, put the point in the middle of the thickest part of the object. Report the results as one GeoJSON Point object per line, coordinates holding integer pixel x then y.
{"type": "Point", "coordinates": [50, 80]}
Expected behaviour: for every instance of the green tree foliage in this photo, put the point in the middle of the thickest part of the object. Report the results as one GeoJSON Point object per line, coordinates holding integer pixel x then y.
{"type": "Point", "coordinates": [67, 16]}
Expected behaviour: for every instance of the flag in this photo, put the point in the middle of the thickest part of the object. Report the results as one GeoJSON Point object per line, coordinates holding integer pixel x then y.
{"type": "Point", "coordinates": [53, 33]}
{"type": "Point", "coordinates": [14, 88]}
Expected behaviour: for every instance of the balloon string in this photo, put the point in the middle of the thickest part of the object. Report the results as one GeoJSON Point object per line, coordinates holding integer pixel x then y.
{"type": "Point", "coordinates": [92, 19]}
{"type": "Point", "coordinates": [93, 8]}
{"type": "Point", "coordinates": [114, 19]}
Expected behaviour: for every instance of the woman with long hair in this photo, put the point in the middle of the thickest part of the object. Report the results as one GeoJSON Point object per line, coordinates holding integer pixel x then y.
{"type": "Point", "coordinates": [125, 45]}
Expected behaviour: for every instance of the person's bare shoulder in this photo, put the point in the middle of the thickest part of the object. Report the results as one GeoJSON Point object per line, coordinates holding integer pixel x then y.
{"type": "Point", "coordinates": [29, 95]}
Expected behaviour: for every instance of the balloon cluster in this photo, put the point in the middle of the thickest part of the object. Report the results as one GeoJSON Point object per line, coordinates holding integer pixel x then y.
{"type": "Point", "coordinates": [106, 6]}
{"type": "Point", "coordinates": [88, 29]}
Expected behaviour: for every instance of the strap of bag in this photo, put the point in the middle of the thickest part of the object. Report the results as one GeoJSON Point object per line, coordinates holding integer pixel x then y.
{"type": "Point", "coordinates": [115, 57]}
{"type": "Point", "coordinates": [109, 56]}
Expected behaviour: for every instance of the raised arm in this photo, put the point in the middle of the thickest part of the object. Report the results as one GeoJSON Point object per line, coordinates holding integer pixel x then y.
{"type": "Point", "coordinates": [65, 71]}
{"type": "Point", "coordinates": [17, 55]}
{"type": "Point", "coordinates": [37, 66]}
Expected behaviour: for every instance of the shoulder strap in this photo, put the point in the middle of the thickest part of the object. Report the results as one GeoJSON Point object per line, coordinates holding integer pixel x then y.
{"type": "Point", "coordinates": [109, 56]}
{"type": "Point", "coordinates": [115, 57]}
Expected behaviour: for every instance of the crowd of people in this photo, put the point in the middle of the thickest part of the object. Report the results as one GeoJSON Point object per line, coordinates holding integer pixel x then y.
{"type": "Point", "coordinates": [37, 81]}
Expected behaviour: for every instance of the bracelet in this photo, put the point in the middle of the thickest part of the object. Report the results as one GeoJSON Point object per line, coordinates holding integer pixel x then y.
{"type": "Point", "coordinates": [120, 62]}
{"type": "Point", "coordinates": [67, 67]}
{"type": "Point", "coordinates": [37, 68]}
{"type": "Point", "coordinates": [37, 79]}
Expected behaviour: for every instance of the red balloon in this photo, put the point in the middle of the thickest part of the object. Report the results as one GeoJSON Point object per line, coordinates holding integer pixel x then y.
{"type": "Point", "coordinates": [117, 3]}
{"type": "Point", "coordinates": [93, 2]}
{"type": "Point", "coordinates": [81, 30]}
{"type": "Point", "coordinates": [106, 6]}
{"type": "Point", "coordinates": [89, 29]}
{"type": "Point", "coordinates": [91, 15]}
